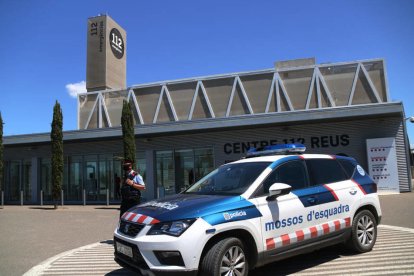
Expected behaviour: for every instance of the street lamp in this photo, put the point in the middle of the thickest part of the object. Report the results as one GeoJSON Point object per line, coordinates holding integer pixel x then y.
{"type": "Point", "coordinates": [411, 119]}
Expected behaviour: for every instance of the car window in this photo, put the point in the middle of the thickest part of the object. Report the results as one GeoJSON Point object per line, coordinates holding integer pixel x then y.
{"type": "Point", "coordinates": [292, 173]}
{"type": "Point", "coordinates": [348, 166]}
{"type": "Point", "coordinates": [324, 171]}
{"type": "Point", "coordinates": [229, 179]}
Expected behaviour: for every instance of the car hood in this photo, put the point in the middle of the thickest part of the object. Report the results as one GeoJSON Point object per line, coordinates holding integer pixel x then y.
{"type": "Point", "coordinates": [213, 208]}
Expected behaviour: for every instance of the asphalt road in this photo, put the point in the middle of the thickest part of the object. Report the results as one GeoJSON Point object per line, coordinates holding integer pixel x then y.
{"type": "Point", "coordinates": [32, 234]}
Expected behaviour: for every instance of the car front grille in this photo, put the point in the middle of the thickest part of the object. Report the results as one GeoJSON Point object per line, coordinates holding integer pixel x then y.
{"type": "Point", "coordinates": [130, 229]}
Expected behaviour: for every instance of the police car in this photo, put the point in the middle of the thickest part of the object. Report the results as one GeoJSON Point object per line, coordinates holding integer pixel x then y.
{"type": "Point", "coordinates": [275, 203]}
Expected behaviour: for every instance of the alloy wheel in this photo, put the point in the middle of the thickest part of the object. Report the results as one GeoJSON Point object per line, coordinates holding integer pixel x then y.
{"type": "Point", "coordinates": [365, 230]}
{"type": "Point", "coordinates": [233, 262]}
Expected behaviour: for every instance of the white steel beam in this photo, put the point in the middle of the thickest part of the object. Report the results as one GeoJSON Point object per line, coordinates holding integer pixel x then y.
{"type": "Point", "coordinates": [105, 109]}
{"type": "Point", "coordinates": [310, 92]}
{"type": "Point", "coordinates": [231, 97]}
{"type": "Point", "coordinates": [278, 101]}
{"type": "Point", "coordinates": [351, 94]}
{"type": "Point", "coordinates": [91, 113]}
{"type": "Point", "coordinates": [210, 107]}
{"type": "Point", "coordinates": [325, 87]}
{"type": "Point", "coordinates": [100, 111]}
{"type": "Point", "coordinates": [285, 94]}
{"type": "Point", "coordinates": [131, 94]}
{"type": "Point", "coordinates": [373, 89]}
{"type": "Point", "coordinates": [193, 102]}
{"type": "Point", "coordinates": [271, 93]}
{"type": "Point", "coordinates": [164, 90]}
{"type": "Point", "coordinates": [246, 99]}
{"type": "Point", "coordinates": [201, 87]}
{"type": "Point", "coordinates": [158, 105]}
{"type": "Point", "coordinates": [170, 102]}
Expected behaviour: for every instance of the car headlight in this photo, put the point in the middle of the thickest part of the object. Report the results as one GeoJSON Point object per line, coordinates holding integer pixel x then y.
{"type": "Point", "coordinates": [173, 228]}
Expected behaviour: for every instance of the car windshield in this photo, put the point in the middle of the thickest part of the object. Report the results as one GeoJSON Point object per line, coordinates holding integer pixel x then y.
{"type": "Point", "coordinates": [229, 179]}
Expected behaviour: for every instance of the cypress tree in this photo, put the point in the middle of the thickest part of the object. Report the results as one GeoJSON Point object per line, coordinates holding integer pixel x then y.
{"type": "Point", "coordinates": [128, 136]}
{"type": "Point", "coordinates": [1, 153]}
{"type": "Point", "coordinates": [56, 136]}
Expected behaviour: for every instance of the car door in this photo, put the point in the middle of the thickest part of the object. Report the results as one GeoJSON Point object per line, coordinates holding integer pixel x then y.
{"type": "Point", "coordinates": [335, 195]}
{"type": "Point", "coordinates": [283, 217]}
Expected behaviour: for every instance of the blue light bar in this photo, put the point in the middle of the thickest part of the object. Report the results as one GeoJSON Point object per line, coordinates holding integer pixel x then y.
{"type": "Point", "coordinates": [276, 149]}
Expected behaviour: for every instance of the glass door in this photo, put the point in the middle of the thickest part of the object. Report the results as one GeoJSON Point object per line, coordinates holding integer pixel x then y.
{"type": "Point", "coordinates": [46, 179]}
{"type": "Point", "coordinates": [184, 169]}
{"type": "Point", "coordinates": [105, 176]}
{"type": "Point", "coordinates": [73, 189]}
{"type": "Point", "coordinates": [27, 180]}
{"type": "Point", "coordinates": [13, 181]}
{"type": "Point", "coordinates": [91, 178]}
{"type": "Point", "coordinates": [165, 173]}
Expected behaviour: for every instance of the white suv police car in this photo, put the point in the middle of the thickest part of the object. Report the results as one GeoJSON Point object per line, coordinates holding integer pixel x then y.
{"type": "Point", "coordinates": [276, 203]}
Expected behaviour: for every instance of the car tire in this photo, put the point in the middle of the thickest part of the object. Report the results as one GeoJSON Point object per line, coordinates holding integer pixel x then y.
{"type": "Point", "coordinates": [364, 232]}
{"type": "Point", "coordinates": [225, 256]}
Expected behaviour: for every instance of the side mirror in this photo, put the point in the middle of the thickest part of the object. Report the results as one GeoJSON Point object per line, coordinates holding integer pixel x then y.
{"type": "Point", "coordinates": [278, 189]}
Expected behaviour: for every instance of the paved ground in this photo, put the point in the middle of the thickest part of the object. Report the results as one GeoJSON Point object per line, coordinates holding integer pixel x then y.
{"type": "Point", "coordinates": [31, 235]}
{"type": "Point", "coordinates": [384, 259]}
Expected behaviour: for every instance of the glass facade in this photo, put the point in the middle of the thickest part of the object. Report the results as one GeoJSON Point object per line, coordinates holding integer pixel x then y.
{"type": "Point", "coordinates": [98, 176]}
{"type": "Point", "coordinates": [179, 169]}
{"type": "Point", "coordinates": [46, 179]}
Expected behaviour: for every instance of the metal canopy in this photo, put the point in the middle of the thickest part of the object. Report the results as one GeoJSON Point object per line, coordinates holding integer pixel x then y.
{"type": "Point", "coordinates": [271, 91]}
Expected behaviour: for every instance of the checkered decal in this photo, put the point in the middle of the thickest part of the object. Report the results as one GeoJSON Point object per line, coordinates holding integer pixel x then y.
{"type": "Point", "coordinates": [132, 217]}
{"type": "Point", "coordinates": [308, 233]}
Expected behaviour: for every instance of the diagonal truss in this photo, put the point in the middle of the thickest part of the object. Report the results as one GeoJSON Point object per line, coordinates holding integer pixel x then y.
{"type": "Point", "coordinates": [105, 112]}
{"type": "Point", "coordinates": [237, 81]}
{"type": "Point", "coordinates": [318, 79]}
{"type": "Point", "coordinates": [318, 90]}
{"type": "Point", "coordinates": [200, 86]}
{"type": "Point", "coordinates": [361, 68]}
{"type": "Point", "coordinates": [164, 90]}
{"type": "Point", "coordinates": [276, 87]}
{"type": "Point", "coordinates": [92, 111]}
{"type": "Point", "coordinates": [131, 95]}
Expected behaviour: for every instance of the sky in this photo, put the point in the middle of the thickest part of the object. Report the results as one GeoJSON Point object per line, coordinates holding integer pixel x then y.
{"type": "Point", "coordinates": [43, 45]}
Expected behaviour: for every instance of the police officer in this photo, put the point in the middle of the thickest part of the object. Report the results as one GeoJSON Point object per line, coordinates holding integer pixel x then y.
{"type": "Point", "coordinates": [131, 188]}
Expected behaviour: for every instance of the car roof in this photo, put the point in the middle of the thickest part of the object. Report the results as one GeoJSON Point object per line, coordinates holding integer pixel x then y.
{"type": "Point", "coordinates": [273, 158]}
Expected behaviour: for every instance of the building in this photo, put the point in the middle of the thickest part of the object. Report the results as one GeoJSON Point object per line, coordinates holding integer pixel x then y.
{"type": "Point", "coordinates": [185, 128]}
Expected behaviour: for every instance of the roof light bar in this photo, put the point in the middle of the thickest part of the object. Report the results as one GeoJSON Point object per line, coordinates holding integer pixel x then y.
{"type": "Point", "coordinates": [276, 149]}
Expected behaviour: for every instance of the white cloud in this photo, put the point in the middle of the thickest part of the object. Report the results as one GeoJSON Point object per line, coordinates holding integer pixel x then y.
{"type": "Point", "coordinates": [76, 88]}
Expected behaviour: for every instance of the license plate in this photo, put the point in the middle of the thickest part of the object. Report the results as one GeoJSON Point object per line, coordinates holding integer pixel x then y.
{"type": "Point", "coordinates": [124, 249]}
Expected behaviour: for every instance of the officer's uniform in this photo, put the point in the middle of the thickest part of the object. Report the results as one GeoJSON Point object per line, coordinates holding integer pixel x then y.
{"type": "Point", "coordinates": [130, 195]}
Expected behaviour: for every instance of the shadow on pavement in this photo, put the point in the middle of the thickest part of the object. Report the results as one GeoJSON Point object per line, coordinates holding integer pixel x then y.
{"type": "Point", "coordinates": [107, 242]}
{"type": "Point", "coordinates": [122, 271]}
{"type": "Point", "coordinates": [45, 208]}
{"type": "Point", "coordinates": [297, 264]}
{"type": "Point", "coordinates": [106, 208]}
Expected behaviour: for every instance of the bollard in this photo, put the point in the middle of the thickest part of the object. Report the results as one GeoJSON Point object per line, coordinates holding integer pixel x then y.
{"type": "Point", "coordinates": [84, 197]}
{"type": "Point", "coordinates": [107, 197]}
{"type": "Point", "coordinates": [61, 197]}
{"type": "Point", "coordinates": [41, 197]}
{"type": "Point", "coordinates": [21, 197]}
{"type": "Point", "coordinates": [2, 198]}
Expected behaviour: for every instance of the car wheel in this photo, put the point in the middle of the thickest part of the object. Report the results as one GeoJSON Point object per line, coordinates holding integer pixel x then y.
{"type": "Point", "coordinates": [227, 257]}
{"type": "Point", "coordinates": [364, 232]}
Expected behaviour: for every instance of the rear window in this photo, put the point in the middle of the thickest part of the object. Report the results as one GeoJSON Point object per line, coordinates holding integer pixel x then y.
{"type": "Point", "coordinates": [348, 166]}
{"type": "Point", "coordinates": [324, 171]}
